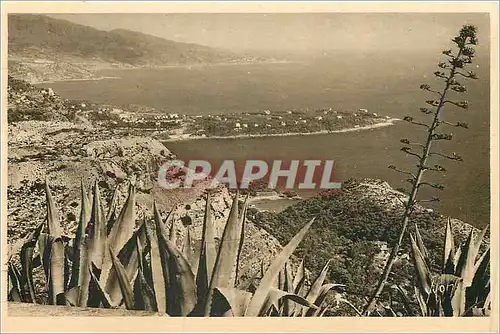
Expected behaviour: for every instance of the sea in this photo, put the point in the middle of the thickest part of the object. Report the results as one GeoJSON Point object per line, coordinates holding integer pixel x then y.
{"type": "Point", "coordinates": [384, 83]}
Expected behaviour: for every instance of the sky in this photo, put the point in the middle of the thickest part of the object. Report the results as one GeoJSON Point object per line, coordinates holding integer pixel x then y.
{"type": "Point", "coordinates": [296, 32]}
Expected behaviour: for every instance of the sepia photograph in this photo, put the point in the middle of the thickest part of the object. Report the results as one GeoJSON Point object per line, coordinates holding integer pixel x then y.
{"type": "Point", "coordinates": [308, 163]}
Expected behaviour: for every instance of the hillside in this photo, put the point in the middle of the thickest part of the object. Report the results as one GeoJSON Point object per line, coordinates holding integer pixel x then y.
{"type": "Point", "coordinates": [356, 226]}
{"type": "Point", "coordinates": [42, 48]}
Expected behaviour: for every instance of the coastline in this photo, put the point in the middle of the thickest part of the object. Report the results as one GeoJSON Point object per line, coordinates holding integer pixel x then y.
{"type": "Point", "coordinates": [389, 122]}
{"type": "Point", "coordinates": [197, 65]}
{"type": "Point", "coordinates": [75, 79]}
{"type": "Point", "coordinates": [188, 66]}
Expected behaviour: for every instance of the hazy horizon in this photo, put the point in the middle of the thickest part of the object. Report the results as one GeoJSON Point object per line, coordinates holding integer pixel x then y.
{"type": "Point", "coordinates": [303, 32]}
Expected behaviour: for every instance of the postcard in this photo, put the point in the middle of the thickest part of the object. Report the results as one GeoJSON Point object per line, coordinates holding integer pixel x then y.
{"type": "Point", "coordinates": [323, 166]}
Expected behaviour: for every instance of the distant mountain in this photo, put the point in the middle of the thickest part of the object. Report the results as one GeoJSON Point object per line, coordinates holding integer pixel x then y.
{"type": "Point", "coordinates": [45, 37]}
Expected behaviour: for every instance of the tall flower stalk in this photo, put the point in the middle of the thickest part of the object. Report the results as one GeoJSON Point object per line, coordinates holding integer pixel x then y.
{"type": "Point", "coordinates": [449, 72]}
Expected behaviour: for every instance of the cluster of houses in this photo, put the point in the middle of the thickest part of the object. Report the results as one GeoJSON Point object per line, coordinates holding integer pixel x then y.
{"type": "Point", "coordinates": [265, 122]}
{"type": "Point", "coordinates": [240, 124]}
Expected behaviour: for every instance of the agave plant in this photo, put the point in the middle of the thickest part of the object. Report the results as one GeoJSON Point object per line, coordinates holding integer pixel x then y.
{"type": "Point", "coordinates": [462, 288]}
{"type": "Point", "coordinates": [110, 263]}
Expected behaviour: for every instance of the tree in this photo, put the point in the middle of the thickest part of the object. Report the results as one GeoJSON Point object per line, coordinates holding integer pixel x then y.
{"type": "Point", "coordinates": [448, 72]}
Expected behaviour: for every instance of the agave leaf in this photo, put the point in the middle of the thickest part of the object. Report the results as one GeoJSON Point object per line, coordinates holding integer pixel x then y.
{"type": "Point", "coordinates": [321, 297]}
{"type": "Point", "coordinates": [421, 302]}
{"type": "Point", "coordinates": [456, 258]}
{"type": "Point", "coordinates": [182, 293]}
{"type": "Point", "coordinates": [449, 292]}
{"type": "Point", "coordinates": [316, 287]}
{"type": "Point", "coordinates": [449, 266]}
{"type": "Point", "coordinates": [128, 256]}
{"type": "Point", "coordinates": [143, 293]}
{"type": "Point", "coordinates": [242, 238]}
{"type": "Point", "coordinates": [144, 297]}
{"type": "Point", "coordinates": [487, 301]}
{"type": "Point", "coordinates": [288, 308]}
{"type": "Point", "coordinates": [121, 232]}
{"type": "Point", "coordinates": [183, 287]}
{"type": "Point", "coordinates": [272, 312]}
{"type": "Point", "coordinates": [160, 278]}
{"type": "Point", "coordinates": [94, 247]}
{"type": "Point", "coordinates": [208, 254]}
{"type": "Point", "coordinates": [57, 272]}
{"type": "Point", "coordinates": [230, 302]}
{"type": "Point", "coordinates": [261, 295]}
{"type": "Point", "coordinates": [465, 266]}
{"type": "Point", "coordinates": [15, 291]}
{"type": "Point", "coordinates": [481, 266]}
{"type": "Point", "coordinates": [111, 215]}
{"type": "Point", "coordinates": [187, 250]}
{"type": "Point", "coordinates": [27, 260]}
{"type": "Point", "coordinates": [71, 296]}
{"type": "Point", "coordinates": [101, 295]}
{"type": "Point", "coordinates": [123, 281]}
{"type": "Point", "coordinates": [299, 278]}
{"type": "Point", "coordinates": [480, 286]}
{"type": "Point", "coordinates": [421, 246]}
{"type": "Point", "coordinates": [449, 250]}
{"type": "Point", "coordinates": [423, 272]}
{"type": "Point", "coordinates": [52, 218]}
{"type": "Point", "coordinates": [228, 251]}
{"type": "Point", "coordinates": [79, 237]}
{"type": "Point", "coordinates": [56, 282]}
{"type": "Point", "coordinates": [225, 263]}
{"type": "Point", "coordinates": [44, 242]}
{"type": "Point", "coordinates": [280, 282]}
{"type": "Point", "coordinates": [479, 239]}
{"type": "Point", "coordinates": [97, 230]}
{"type": "Point", "coordinates": [274, 295]}
{"type": "Point", "coordinates": [84, 277]}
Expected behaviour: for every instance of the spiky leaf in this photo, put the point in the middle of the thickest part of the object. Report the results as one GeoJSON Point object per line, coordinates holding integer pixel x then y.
{"type": "Point", "coordinates": [143, 293]}
{"type": "Point", "coordinates": [260, 296]}
{"type": "Point", "coordinates": [121, 232]}
{"type": "Point", "coordinates": [230, 302]}
{"type": "Point", "coordinates": [208, 254]}
{"type": "Point", "coordinates": [274, 295]}
{"type": "Point", "coordinates": [79, 236]}
{"type": "Point", "coordinates": [449, 250]}
{"type": "Point", "coordinates": [421, 246]}
{"type": "Point", "coordinates": [423, 272]}
{"type": "Point", "coordinates": [160, 277]}
{"type": "Point", "coordinates": [26, 256]}
{"type": "Point", "coordinates": [225, 263]}
{"type": "Point", "coordinates": [123, 281]}
{"type": "Point", "coordinates": [182, 281]}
